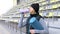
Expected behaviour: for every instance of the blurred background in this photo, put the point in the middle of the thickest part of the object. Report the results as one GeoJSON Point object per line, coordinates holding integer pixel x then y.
{"type": "Point", "coordinates": [10, 16]}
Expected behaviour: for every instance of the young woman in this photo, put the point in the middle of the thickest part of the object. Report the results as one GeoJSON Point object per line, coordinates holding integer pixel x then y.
{"type": "Point", "coordinates": [34, 12]}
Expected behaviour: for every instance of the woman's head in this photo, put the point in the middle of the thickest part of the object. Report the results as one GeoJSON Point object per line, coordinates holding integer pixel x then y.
{"type": "Point", "coordinates": [34, 9]}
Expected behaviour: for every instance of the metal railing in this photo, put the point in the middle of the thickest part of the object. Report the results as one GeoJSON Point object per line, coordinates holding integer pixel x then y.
{"type": "Point", "coordinates": [51, 22]}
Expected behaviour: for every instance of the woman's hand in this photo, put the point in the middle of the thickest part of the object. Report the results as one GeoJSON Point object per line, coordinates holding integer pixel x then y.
{"type": "Point", "coordinates": [32, 31]}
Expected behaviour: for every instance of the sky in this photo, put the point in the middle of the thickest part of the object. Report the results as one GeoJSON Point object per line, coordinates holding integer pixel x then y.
{"type": "Point", "coordinates": [5, 5]}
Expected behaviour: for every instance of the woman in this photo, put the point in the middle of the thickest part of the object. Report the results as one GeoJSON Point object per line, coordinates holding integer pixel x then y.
{"type": "Point", "coordinates": [34, 12]}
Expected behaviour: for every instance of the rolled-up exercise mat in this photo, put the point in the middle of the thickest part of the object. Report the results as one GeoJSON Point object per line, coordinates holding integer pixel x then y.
{"type": "Point", "coordinates": [36, 24]}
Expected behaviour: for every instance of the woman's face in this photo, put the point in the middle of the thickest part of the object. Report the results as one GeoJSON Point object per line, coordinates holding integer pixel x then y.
{"type": "Point", "coordinates": [32, 11]}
